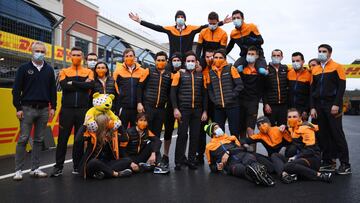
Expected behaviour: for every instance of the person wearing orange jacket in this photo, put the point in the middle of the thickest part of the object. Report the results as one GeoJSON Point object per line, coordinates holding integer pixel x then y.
{"type": "Point", "coordinates": [127, 78]}
{"type": "Point", "coordinates": [189, 99]}
{"type": "Point", "coordinates": [224, 87]}
{"type": "Point", "coordinates": [328, 90]}
{"type": "Point", "coordinates": [181, 36]}
{"type": "Point", "coordinates": [76, 83]}
{"type": "Point", "coordinates": [299, 83]}
{"type": "Point", "coordinates": [210, 38]}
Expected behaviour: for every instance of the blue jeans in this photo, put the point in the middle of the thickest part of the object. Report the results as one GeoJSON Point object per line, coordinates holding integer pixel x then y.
{"type": "Point", "coordinates": [38, 118]}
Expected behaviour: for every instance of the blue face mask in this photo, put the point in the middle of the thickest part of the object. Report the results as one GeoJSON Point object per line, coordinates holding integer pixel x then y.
{"type": "Point", "coordinates": [322, 57]}
{"type": "Point", "coordinates": [213, 27]}
{"type": "Point", "coordinates": [180, 21]}
{"type": "Point", "coordinates": [296, 65]}
{"type": "Point", "coordinates": [250, 58]}
{"type": "Point", "coordinates": [190, 65]}
{"type": "Point", "coordinates": [275, 60]}
{"type": "Point", "coordinates": [176, 64]}
{"type": "Point", "coordinates": [219, 132]}
{"type": "Point", "coordinates": [237, 22]}
{"type": "Point", "coordinates": [38, 56]}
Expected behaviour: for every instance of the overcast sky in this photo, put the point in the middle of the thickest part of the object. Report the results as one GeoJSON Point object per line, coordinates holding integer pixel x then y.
{"type": "Point", "coordinates": [285, 24]}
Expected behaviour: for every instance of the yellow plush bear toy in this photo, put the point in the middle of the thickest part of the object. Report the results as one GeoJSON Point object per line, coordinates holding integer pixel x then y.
{"type": "Point", "coordinates": [102, 104]}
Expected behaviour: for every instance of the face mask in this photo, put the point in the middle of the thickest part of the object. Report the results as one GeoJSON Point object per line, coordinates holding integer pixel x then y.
{"type": "Point", "coordinates": [142, 125]}
{"type": "Point", "coordinates": [296, 65]}
{"type": "Point", "coordinates": [190, 65]}
{"type": "Point", "coordinates": [213, 27]}
{"type": "Point", "coordinates": [91, 64]}
{"type": "Point", "coordinates": [219, 132]}
{"type": "Point", "coordinates": [218, 62]}
{"type": "Point", "coordinates": [39, 56]}
{"type": "Point", "coordinates": [276, 60]}
{"type": "Point", "coordinates": [237, 22]}
{"type": "Point", "coordinates": [293, 122]}
{"type": "Point", "coordinates": [161, 65]}
{"type": "Point", "coordinates": [129, 61]}
{"type": "Point", "coordinates": [180, 21]}
{"type": "Point", "coordinates": [101, 72]}
{"type": "Point", "coordinates": [322, 57]}
{"type": "Point", "coordinates": [250, 59]}
{"type": "Point", "coordinates": [76, 61]}
{"type": "Point", "coordinates": [176, 64]}
{"type": "Point", "coordinates": [264, 128]}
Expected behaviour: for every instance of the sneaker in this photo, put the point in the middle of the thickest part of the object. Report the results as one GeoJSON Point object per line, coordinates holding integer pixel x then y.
{"type": "Point", "coordinates": [125, 173]}
{"type": "Point", "coordinates": [161, 169]}
{"type": "Point", "coordinates": [145, 167]}
{"type": "Point", "coordinates": [165, 161]}
{"type": "Point", "coordinates": [56, 172]}
{"type": "Point", "coordinates": [75, 171]}
{"type": "Point", "coordinates": [326, 177]}
{"type": "Point", "coordinates": [328, 167]}
{"type": "Point", "coordinates": [289, 178]}
{"type": "Point", "coordinates": [259, 174]}
{"type": "Point", "coordinates": [344, 169]}
{"type": "Point", "coordinates": [99, 175]}
{"type": "Point", "coordinates": [18, 175]}
{"type": "Point", "coordinates": [251, 174]}
{"type": "Point", "coordinates": [37, 173]}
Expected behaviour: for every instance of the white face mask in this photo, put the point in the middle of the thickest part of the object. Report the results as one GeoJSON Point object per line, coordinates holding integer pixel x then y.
{"type": "Point", "coordinates": [275, 60]}
{"type": "Point", "coordinates": [91, 64]}
{"type": "Point", "coordinates": [190, 65]}
{"type": "Point", "coordinates": [296, 65]}
{"type": "Point", "coordinates": [38, 56]}
{"type": "Point", "coordinates": [237, 22]}
{"type": "Point", "coordinates": [219, 132]}
{"type": "Point", "coordinates": [250, 58]}
{"type": "Point", "coordinates": [180, 21]}
{"type": "Point", "coordinates": [213, 27]}
{"type": "Point", "coordinates": [322, 57]}
{"type": "Point", "coordinates": [176, 64]}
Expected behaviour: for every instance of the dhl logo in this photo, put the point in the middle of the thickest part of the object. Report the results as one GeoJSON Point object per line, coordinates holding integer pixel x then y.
{"type": "Point", "coordinates": [352, 71]}
{"type": "Point", "coordinates": [7, 135]}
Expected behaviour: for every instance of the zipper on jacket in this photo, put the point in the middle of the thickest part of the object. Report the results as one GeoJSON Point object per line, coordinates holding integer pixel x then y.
{"type": "Point", "coordinates": [221, 93]}
{"type": "Point", "coordinates": [76, 92]}
{"type": "Point", "coordinates": [193, 90]}
{"type": "Point", "coordinates": [321, 81]}
{"type": "Point", "coordinates": [295, 87]}
{"type": "Point", "coordinates": [159, 89]}
{"type": "Point", "coordinates": [278, 84]}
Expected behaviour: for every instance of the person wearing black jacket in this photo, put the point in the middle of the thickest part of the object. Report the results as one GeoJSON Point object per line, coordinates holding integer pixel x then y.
{"type": "Point", "coordinates": [34, 89]}
{"type": "Point", "coordinates": [181, 36]}
{"type": "Point", "coordinates": [76, 83]}
{"type": "Point", "coordinates": [189, 99]}
{"type": "Point", "coordinates": [276, 90]}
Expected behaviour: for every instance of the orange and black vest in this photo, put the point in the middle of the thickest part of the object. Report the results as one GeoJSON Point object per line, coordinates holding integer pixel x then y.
{"type": "Point", "coordinates": [222, 88]}
{"type": "Point", "coordinates": [127, 83]}
{"type": "Point", "coordinates": [105, 88]}
{"type": "Point", "coordinates": [77, 94]}
{"type": "Point", "coordinates": [253, 84]}
{"type": "Point", "coordinates": [328, 85]}
{"type": "Point", "coordinates": [299, 89]}
{"type": "Point", "coordinates": [190, 90]}
{"type": "Point", "coordinates": [157, 87]}
{"type": "Point", "coordinates": [276, 85]}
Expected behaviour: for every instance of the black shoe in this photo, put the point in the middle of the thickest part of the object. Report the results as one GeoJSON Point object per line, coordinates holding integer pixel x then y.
{"type": "Point", "coordinates": [56, 172]}
{"type": "Point", "coordinates": [165, 161]}
{"type": "Point", "coordinates": [326, 177]}
{"type": "Point", "coordinates": [145, 167]}
{"type": "Point", "coordinates": [261, 175]}
{"type": "Point", "coordinates": [328, 166]}
{"type": "Point", "coordinates": [191, 165]}
{"type": "Point", "coordinates": [289, 178]}
{"type": "Point", "coordinates": [200, 160]}
{"type": "Point", "coordinates": [251, 174]}
{"type": "Point", "coordinates": [178, 167]}
{"type": "Point", "coordinates": [125, 173]}
{"type": "Point", "coordinates": [99, 175]}
{"type": "Point", "coordinates": [75, 171]}
{"type": "Point", "coordinates": [161, 169]}
{"type": "Point", "coordinates": [344, 169]}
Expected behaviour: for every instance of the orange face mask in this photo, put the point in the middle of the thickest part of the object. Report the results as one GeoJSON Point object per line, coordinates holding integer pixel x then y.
{"type": "Point", "coordinates": [129, 61]}
{"type": "Point", "coordinates": [293, 122]}
{"type": "Point", "coordinates": [142, 125]}
{"type": "Point", "coordinates": [101, 72]}
{"type": "Point", "coordinates": [218, 62]}
{"type": "Point", "coordinates": [76, 61]}
{"type": "Point", "coordinates": [161, 65]}
{"type": "Point", "coordinates": [264, 128]}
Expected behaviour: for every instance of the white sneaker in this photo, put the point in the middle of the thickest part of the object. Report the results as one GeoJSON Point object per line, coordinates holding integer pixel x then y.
{"type": "Point", "coordinates": [38, 173]}
{"type": "Point", "coordinates": [18, 175]}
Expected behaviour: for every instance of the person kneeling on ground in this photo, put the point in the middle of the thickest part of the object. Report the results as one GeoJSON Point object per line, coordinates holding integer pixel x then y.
{"type": "Point", "coordinates": [224, 153]}
{"type": "Point", "coordinates": [306, 162]}
{"type": "Point", "coordinates": [142, 147]}
{"type": "Point", "coordinates": [101, 159]}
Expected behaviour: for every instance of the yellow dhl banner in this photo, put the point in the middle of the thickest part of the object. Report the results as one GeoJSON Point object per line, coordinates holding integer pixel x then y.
{"type": "Point", "coordinates": [10, 126]}
{"type": "Point", "coordinates": [352, 70]}
{"type": "Point", "coordinates": [22, 44]}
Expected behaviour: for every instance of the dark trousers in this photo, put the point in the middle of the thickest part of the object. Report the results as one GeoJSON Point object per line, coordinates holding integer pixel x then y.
{"type": "Point", "coordinates": [332, 139]}
{"type": "Point", "coordinates": [238, 163]}
{"type": "Point", "coordinates": [266, 161]}
{"type": "Point", "coordinates": [278, 161]}
{"type": "Point", "coordinates": [232, 114]}
{"type": "Point", "coordinates": [128, 117]}
{"type": "Point", "coordinates": [306, 168]}
{"type": "Point", "coordinates": [144, 155]}
{"type": "Point", "coordinates": [96, 165]}
{"type": "Point", "coordinates": [69, 118]}
{"type": "Point", "coordinates": [278, 114]}
{"type": "Point", "coordinates": [169, 122]}
{"type": "Point", "coordinates": [156, 118]}
{"type": "Point", "coordinates": [202, 137]}
{"type": "Point", "coordinates": [190, 119]}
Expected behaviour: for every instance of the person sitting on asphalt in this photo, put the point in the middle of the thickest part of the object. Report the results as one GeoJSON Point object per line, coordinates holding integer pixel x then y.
{"type": "Point", "coordinates": [306, 161]}
{"type": "Point", "coordinates": [101, 158]}
{"type": "Point", "coordinates": [224, 153]}
{"type": "Point", "coordinates": [142, 147]}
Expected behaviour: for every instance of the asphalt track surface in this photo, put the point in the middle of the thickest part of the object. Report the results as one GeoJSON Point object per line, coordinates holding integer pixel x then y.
{"type": "Point", "coordinates": [180, 186]}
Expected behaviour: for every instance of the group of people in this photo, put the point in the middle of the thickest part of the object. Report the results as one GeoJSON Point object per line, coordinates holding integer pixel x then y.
{"type": "Point", "coordinates": [201, 91]}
